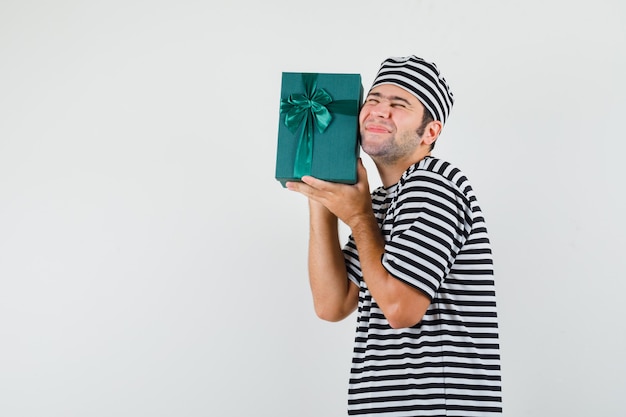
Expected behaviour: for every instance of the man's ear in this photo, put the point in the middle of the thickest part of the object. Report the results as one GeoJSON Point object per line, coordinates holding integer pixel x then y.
{"type": "Point", "coordinates": [432, 131]}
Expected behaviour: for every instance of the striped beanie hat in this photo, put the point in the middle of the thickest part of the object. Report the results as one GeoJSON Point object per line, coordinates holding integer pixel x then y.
{"type": "Point", "coordinates": [420, 78]}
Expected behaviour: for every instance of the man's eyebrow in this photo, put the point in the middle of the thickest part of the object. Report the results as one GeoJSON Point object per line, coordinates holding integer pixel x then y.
{"type": "Point", "coordinates": [390, 98]}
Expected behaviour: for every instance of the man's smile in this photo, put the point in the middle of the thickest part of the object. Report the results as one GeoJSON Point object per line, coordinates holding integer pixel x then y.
{"type": "Point", "coordinates": [377, 128]}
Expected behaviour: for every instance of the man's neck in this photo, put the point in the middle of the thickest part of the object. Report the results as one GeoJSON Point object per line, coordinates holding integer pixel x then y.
{"type": "Point", "coordinates": [390, 173]}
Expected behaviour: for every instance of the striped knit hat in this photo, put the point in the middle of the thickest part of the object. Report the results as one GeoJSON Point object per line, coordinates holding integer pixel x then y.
{"type": "Point", "coordinates": [420, 78]}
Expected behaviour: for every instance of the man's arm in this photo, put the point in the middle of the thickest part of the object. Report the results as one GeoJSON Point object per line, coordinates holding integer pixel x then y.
{"type": "Point", "coordinates": [334, 295]}
{"type": "Point", "coordinates": [402, 305]}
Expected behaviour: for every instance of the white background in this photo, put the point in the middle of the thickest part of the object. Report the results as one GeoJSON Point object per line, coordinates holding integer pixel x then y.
{"type": "Point", "coordinates": [150, 265]}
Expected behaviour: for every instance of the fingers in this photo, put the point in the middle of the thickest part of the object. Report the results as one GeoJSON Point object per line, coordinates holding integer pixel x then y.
{"type": "Point", "coordinates": [296, 186]}
{"type": "Point", "coordinates": [316, 183]}
{"type": "Point", "coordinates": [310, 184]}
{"type": "Point", "coordinates": [307, 188]}
{"type": "Point", "coordinates": [342, 200]}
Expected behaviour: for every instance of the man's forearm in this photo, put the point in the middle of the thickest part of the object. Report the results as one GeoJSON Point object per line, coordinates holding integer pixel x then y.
{"type": "Point", "coordinates": [333, 295]}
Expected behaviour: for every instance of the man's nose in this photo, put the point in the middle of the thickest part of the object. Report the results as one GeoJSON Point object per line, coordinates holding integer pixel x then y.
{"type": "Point", "coordinates": [381, 109]}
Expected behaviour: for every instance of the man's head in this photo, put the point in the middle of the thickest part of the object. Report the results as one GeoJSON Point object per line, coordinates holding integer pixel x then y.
{"type": "Point", "coordinates": [420, 78]}
{"type": "Point", "coordinates": [422, 92]}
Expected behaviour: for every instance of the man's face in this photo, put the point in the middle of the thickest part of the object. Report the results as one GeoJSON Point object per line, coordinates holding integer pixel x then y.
{"type": "Point", "coordinates": [389, 120]}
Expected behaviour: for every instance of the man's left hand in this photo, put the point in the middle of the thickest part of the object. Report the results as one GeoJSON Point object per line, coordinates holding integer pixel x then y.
{"type": "Point", "coordinates": [350, 203]}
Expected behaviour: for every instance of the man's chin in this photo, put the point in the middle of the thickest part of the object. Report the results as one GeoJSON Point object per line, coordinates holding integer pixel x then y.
{"type": "Point", "coordinates": [373, 150]}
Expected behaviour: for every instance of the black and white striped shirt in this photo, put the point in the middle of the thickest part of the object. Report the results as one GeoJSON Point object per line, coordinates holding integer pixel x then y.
{"type": "Point", "coordinates": [449, 363]}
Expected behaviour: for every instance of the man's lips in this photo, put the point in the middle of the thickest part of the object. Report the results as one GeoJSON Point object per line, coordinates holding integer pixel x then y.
{"type": "Point", "coordinates": [376, 128]}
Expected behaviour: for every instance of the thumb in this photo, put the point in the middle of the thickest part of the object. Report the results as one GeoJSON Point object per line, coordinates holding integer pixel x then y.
{"type": "Point", "coordinates": [361, 172]}
{"type": "Point", "coordinates": [360, 169]}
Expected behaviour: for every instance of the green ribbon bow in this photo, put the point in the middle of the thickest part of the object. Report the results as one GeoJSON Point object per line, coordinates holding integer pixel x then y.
{"type": "Point", "coordinates": [314, 107]}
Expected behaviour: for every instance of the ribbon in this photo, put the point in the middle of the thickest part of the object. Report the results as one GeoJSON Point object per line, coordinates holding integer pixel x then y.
{"type": "Point", "coordinates": [315, 107]}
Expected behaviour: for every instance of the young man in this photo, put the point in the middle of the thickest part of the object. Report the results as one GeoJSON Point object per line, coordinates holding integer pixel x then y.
{"type": "Point", "coordinates": [417, 265]}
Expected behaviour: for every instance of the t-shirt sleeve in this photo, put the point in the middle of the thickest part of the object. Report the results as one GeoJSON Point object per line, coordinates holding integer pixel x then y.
{"type": "Point", "coordinates": [351, 257]}
{"type": "Point", "coordinates": [431, 221]}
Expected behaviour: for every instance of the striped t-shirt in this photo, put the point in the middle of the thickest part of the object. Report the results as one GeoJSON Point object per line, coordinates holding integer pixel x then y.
{"type": "Point", "coordinates": [436, 241]}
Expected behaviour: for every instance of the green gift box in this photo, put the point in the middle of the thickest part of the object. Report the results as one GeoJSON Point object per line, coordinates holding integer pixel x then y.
{"type": "Point", "coordinates": [319, 127]}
